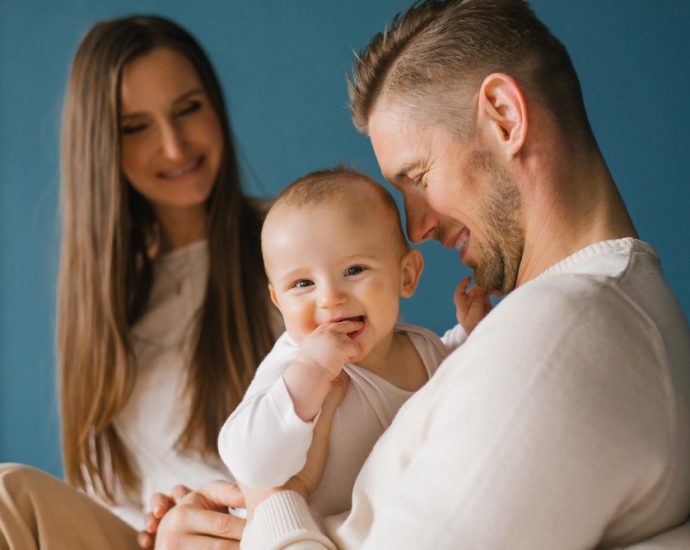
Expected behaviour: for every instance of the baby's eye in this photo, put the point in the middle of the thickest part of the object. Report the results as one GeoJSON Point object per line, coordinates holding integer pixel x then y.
{"type": "Point", "coordinates": [303, 283]}
{"type": "Point", "coordinates": [353, 270]}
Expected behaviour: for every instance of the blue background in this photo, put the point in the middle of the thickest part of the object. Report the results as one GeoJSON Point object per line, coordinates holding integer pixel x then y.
{"type": "Point", "coordinates": [282, 65]}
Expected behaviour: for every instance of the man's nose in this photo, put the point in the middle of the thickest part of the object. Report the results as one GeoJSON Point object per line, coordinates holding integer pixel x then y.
{"type": "Point", "coordinates": [422, 221]}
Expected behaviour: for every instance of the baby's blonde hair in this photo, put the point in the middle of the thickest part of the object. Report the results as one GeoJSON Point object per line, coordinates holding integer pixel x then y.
{"type": "Point", "coordinates": [344, 186]}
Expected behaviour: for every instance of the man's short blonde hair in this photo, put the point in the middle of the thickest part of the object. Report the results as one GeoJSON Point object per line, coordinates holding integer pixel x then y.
{"type": "Point", "coordinates": [433, 59]}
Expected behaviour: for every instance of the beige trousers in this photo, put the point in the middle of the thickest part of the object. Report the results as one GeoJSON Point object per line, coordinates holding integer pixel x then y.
{"type": "Point", "coordinates": [40, 511]}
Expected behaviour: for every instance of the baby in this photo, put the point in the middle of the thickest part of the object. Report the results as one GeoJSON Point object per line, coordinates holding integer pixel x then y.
{"type": "Point", "coordinates": [337, 263]}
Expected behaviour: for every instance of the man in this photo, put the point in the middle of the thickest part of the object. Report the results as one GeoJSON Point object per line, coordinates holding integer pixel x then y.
{"type": "Point", "coordinates": [564, 421]}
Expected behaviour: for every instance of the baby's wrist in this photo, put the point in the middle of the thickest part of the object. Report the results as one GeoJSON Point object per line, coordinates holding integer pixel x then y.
{"type": "Point", "coordinates": [315, 367]}
{"type": "Point", "coordinates": [308, 386]}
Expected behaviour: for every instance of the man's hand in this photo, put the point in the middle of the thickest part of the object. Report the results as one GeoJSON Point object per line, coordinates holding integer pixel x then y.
{"type": "Point", "coordinates": [308, 479]}
{"type": "Point", "coordinates": [160, 504]}
{"type": "Point", "coordinates": [200, 520]}
{"type": "Point", "coordinates": [471, 306]}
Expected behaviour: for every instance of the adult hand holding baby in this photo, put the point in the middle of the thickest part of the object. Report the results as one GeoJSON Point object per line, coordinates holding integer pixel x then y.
{"type": "Point", "coordinates": [160, 504]}
{"type": "Point", "coordinates": [308, 479]}
{"type": "Point", "coordinates": [200, 519]}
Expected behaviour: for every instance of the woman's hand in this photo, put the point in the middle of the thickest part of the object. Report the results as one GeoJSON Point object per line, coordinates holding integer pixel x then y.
{"type": "Point", "coordinates": [160, 504]}
{"type": "Point", "coordinates": [308, 479]}
{"type": "Point", "coordinates": [200, 520]}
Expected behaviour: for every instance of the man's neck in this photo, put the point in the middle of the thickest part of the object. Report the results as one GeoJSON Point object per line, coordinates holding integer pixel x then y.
{"type": "Point", "coordinates": [570, 203]}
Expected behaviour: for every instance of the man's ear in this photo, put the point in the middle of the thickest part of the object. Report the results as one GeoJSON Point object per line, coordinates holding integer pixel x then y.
{"type": "Point", "coordinates": [274, 298]}
{"type": "Point", "coordinates": [502, 112]}
{"type": "Point", "coordinates": [411, 268]}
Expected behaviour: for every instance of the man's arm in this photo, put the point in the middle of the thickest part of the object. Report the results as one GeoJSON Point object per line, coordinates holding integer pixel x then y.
{"type": "Point", "coordinates": [550, 433]}
{"type": "Point", "coordinates": [266, 439]}
{"type": "Point", "coordinates": [535, 438]}
{"type": "Point", "coordinates": [200, 520]}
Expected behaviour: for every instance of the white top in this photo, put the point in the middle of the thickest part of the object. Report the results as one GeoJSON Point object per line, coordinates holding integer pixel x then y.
{"type": "Point", "coordinates": [264, 442]}
{"type": "Point", "coordinates": [562, 422]}
{"type": "Point", "coordinates": [163, 342]}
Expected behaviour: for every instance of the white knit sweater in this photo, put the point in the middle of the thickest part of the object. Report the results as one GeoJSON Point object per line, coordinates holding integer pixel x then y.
{"type": "Point", "coordinates": [156, 413]}
{"type": "Point", "coordinates": [562, 422]}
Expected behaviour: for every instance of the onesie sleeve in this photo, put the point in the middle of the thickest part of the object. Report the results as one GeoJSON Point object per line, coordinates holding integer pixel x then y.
{"type": "Point", "coordinates": [454, 337]}
{"type": "Point", "coordinates": [263, 442]}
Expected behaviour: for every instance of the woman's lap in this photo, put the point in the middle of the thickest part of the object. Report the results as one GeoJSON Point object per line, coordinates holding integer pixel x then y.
{"type": "Point", "coordinates": [40, 511]}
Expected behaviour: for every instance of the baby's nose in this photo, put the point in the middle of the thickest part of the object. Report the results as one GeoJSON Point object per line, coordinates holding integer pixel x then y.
{"type": "Point", "coordinates": [331, 296]}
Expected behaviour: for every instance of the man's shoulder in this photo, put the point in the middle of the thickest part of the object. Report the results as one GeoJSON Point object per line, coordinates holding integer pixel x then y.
{"type": "Point", "coordinates": [562, 343]}
{"type": "Point", "coordinates": [563, 299]}
{"type": "Point", "coordinates": [566, 317]}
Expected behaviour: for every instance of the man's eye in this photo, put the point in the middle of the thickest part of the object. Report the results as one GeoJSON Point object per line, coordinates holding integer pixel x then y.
{"type": "Point", "coordinates": [303, 283]}
{"type": "Point", "coordinates": [354, 270]}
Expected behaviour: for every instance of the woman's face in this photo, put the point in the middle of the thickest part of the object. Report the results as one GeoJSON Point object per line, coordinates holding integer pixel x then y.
{"type": "Point", "coordinates": [171, 138]}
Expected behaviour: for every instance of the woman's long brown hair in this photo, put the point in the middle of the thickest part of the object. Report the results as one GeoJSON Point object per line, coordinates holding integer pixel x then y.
{"type": "Point", "coordinates": [106, 270]}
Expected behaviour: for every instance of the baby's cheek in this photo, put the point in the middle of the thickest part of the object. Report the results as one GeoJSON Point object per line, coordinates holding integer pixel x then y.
{"type": "Point", "coordinates": [299, 324]}
{"type": "Point", "coordinates": [385, 296]}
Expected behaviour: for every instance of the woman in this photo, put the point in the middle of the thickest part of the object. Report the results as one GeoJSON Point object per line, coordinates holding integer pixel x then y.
{"type": "Point", "coordinates": [163, 312]}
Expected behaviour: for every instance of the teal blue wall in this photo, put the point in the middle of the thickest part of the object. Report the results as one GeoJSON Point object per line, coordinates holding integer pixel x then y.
{"type": "Point", "coordinates": [283, 65]}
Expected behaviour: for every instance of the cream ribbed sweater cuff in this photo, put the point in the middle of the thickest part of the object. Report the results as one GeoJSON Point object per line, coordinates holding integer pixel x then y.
{"type": "Point", "coordinates": [281, 521]}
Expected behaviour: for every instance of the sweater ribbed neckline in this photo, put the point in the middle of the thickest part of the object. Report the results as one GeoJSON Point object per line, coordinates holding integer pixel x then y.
{"type": "Point", "coordinates": [612, 246]}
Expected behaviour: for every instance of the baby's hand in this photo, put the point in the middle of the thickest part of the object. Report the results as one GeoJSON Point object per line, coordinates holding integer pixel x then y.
{"type": "Point", "coordinates": [329, 347]}
{"type": "Point", "coordinates": [471, 306]}
{"type": "Point", "coordinates": [160, 505]}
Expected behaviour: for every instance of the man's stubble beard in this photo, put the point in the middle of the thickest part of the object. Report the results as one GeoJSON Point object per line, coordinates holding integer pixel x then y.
{"type": "Point", "coordinates": [501, 253]}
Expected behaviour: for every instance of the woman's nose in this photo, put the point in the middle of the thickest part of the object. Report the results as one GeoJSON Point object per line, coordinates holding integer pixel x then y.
{"type": "Point", "coordinates": [172, 142]}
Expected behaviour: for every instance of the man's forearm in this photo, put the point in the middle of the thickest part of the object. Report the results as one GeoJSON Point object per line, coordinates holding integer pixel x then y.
{"type": "Point", "coordinates": [284, 521]}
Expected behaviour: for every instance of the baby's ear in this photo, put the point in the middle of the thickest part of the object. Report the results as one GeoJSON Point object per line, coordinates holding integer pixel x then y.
{"type": "Point", "coordinates": [274, 298]}
{"type": "Point", "coordinates": [411, 267]}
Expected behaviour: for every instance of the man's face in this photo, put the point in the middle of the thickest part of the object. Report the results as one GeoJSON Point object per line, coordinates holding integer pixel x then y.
{"type": "Point", "coordinates": [454, 192]}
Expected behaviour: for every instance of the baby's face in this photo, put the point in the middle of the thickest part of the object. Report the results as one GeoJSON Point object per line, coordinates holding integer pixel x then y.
{"type": "Point", "coordinates": [326, 263]}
